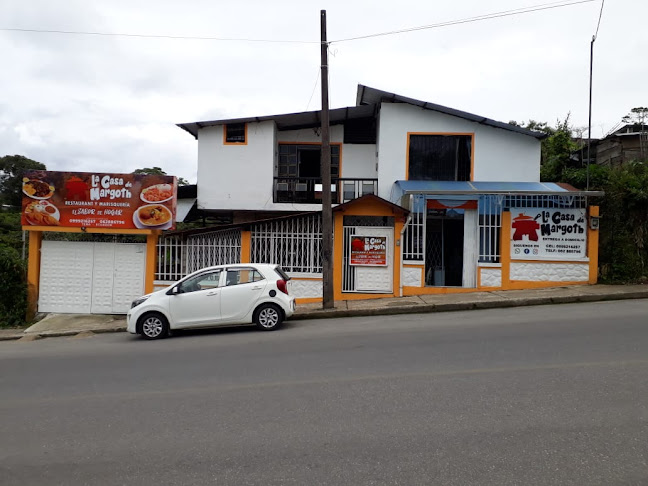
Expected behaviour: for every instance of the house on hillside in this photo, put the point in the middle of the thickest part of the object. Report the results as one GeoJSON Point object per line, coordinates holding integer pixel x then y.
{"type": "Point", "coordinates": [453, 198]}
{"type": "Point", "coordinates": [626, 144]}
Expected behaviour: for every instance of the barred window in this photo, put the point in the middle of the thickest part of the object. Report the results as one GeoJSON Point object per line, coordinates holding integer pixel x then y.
{"type": "Point", "coordinates": [295, 243]}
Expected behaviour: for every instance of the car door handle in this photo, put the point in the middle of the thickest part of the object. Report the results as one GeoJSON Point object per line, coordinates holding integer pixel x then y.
{"type": "Point", "coordinates": [257, 288]}
{"type": "Point", "coordinates": [212, 293]}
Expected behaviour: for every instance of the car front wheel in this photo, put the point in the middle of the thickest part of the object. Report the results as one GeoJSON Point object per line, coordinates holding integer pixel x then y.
{"type": "Point", "coordinates": [268, 317]}
{"type": "Point", "coordinates": [154, 326]}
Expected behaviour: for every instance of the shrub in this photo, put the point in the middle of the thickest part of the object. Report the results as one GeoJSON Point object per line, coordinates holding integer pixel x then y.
{"type": "Point", "coordinates": [13, 303]}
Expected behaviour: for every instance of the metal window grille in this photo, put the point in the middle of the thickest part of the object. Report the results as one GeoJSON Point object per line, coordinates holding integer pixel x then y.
{"type": "Point", "coordinates": [490, 216]}
{"type": "Point", "coordinates": [178, 257]}
{"type": "Point", "coordinates": [414, 238]}
{"type": "Point", "coordinates": [348, 272]}
{"type": "Point", "coordinates": [294, 243]}
{"type": "Point", "coordinates": [490, 223]}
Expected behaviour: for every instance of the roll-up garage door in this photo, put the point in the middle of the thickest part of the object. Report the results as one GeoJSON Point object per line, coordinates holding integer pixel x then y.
{"type": "Point", "coordinates": [90, 277]}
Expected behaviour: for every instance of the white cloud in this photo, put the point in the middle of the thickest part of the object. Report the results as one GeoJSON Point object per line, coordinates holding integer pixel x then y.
{"type": "Point", "coordinates": [111, 103]}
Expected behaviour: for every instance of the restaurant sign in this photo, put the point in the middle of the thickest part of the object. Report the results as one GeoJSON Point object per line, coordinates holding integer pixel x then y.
{"type": "Point", "coordinates": [548, 234]}
{"type": "Point", "coordinates": [98, 200]}
{"type": "Point", "coordinates": [368, 250]}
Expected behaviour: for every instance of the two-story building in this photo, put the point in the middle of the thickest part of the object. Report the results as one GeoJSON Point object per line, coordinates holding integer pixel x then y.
{"type": "Point", "coordinates": [459, 200]}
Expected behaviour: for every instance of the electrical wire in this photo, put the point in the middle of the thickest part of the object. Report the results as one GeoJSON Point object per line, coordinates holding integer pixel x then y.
{"type": "Point", "coordinates": [599, 20]}
{"type": "Point", "coordinates": [495, 15]}
{"type": "Point", "coordinates": [319, 70]}
{"type": "Point", "coordinates": [152, 36]}
{"type": "Point", "coordinates": [505, 13]}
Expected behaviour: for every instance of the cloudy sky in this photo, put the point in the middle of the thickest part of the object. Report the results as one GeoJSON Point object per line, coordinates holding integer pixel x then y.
{"type": "Point", "coordinates": [110, 103]}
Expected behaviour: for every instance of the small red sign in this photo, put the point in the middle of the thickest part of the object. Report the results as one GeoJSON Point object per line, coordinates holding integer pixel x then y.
{"type": "Point", "coordinates": [369, 250]}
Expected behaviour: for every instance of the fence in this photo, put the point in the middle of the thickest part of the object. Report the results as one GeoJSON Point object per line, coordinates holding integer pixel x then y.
{"type": "Point", "coordinates": [179, 255]}
{"type": "Point", "coordinates": [294, 243]}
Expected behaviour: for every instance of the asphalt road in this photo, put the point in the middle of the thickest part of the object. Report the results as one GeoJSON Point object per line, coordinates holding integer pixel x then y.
{"type": "Point", "coordinates": [533, 395]}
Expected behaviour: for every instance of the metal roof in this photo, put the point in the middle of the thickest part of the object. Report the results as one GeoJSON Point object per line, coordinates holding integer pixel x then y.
{"type": "Point", "coordinates": [372, 96]}
{"type": "Point", "coordinates": [367, 104]}
{"type": "Point", "coordinates": [290, 121]}
{"type": "Point", "coordinates": [477, 188]}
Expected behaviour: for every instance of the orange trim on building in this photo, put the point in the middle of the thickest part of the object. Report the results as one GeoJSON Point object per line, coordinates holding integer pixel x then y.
{"type": "Point", "coordinates": [151, 261]}
{"type": "Point", "coordinates": [505, 249]}
{"type": "Point", "coordinates": [246, 246]}
{"type": "Point", "coordinates": [33, 273]}
{"type": "Point", "coordinates": [338, 144]}
{"type": "Point", "coordinates": [225, 142]}
{"type": "Point", "coordinates": [593, 247]}
{"type": "Point", "coordinates": [472, 149]}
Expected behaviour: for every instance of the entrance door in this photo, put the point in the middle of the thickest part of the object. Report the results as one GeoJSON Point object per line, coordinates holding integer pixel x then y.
{"type": "Point", "coordinates": [360, 278]}
{"type": "Point", "coordinates": [444, 248]}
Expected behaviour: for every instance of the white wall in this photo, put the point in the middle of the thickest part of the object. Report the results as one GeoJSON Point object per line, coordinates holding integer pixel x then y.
{"type": "Point", "coordinates": [241, 177]}
{"type": "Point", "coordinates": [499, 155]}
{"type": "Point", "coordinates": [236, 176]}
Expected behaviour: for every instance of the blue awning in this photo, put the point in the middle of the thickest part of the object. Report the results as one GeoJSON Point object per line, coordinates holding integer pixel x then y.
{"type": "Point", "coordinates": [477, 188]}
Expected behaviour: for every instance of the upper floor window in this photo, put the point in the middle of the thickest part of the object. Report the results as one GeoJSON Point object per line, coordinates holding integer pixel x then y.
{"type": "Point", "coordinates": [305, 160]}
{"type": "Point", "coordinates": [235, 133]}
{"type": "Point", "coordinates": [438, 157]}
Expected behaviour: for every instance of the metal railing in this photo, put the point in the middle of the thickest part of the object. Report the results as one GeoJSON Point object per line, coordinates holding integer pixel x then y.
{"type": "Point", "coordinates": [308, 190]}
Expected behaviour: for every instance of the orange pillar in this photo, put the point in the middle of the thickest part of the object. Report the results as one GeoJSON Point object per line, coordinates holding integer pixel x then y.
{"type": "Point", "coordinates": [246, 246]}
{"type": "Point", "coordinates": [33, 273]}
{"type": "Point", "coordinates": [151, 261]}
{"type": "Point", "coordinates": [338, 254]}
{"type": "Point", "coordinates": [505, 249]}
{"type": "Point", "coordinates": [592, 247]}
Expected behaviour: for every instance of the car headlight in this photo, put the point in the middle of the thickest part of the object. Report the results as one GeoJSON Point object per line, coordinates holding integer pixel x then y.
{"type": "Point", "coordinates": [137, 302]}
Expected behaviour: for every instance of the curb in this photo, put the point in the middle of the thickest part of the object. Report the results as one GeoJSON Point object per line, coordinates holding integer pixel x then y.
{"type": "Point", "coordinates": [388, 311]}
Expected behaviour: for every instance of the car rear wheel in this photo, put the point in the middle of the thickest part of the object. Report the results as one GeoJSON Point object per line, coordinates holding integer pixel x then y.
{"type": "Point", "coordinates": [154, 326]}
{"type": "Point", "coordinates": [268, 317]}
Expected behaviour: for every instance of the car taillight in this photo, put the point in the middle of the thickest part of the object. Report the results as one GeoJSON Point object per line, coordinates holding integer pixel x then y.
{"type": "Point", "coordinates": [283, 286]}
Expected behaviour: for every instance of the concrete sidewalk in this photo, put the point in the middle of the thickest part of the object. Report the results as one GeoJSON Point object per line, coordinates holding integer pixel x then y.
{"type": "Point", "coordinates": [85, 324]}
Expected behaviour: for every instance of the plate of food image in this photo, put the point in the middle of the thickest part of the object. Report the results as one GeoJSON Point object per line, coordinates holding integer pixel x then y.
{"type": "Point", "coordinates": [157, 193]}
{"type": "Point", "coordinates": [37, 189]}
{"type": "Point", "coordinates": [42, 213]}
{"type": "Point", "coordinates": [155, 216]}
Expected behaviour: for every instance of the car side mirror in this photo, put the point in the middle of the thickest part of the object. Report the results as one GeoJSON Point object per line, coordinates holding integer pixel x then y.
{"type": "Point", "coordinates": [175, 290]}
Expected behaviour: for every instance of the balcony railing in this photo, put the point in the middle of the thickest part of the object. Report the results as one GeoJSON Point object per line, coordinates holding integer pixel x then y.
{"type": "Point", "coordinates": [308, 190]}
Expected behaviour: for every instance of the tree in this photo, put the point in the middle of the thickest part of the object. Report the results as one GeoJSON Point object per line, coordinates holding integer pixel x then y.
{"type": "Point", "coordinates": [158, 171]}
{"type": "Point", "coordinates": [12, 168]}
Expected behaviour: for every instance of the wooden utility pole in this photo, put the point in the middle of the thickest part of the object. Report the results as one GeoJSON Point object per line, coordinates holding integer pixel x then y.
{"type": "Point", "coordinates": [327, 214]}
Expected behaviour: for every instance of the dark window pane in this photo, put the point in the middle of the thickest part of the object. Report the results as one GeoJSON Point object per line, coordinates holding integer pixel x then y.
{"type": "Point", "coordinates": [439, 157]}
{"type": "Point", "coordinates": [235, 133]}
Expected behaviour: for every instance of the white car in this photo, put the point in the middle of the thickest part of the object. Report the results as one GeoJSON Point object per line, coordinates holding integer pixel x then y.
{"type": "Point", "coordinates": [225, 295]}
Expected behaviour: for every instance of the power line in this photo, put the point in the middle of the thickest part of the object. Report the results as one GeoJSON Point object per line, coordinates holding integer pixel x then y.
{"type": "Point", "coordinates": [314, 87]}
{"type": "Point", "coordinates": [495, 15]}
{"type": "Point", "coordinates": [505, 13]}
{"type": "Point", "coordinates": [152, 36]}
{"type": "Point", "coordinates": [599, 20]}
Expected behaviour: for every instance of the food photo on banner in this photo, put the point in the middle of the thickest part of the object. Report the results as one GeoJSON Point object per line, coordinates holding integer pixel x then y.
{"type": "Point", "coordinates": [99, 200]}
{"type": "Point", "coordinates": [548, 234]}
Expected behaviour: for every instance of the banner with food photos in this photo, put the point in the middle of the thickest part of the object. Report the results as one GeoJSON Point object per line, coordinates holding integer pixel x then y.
{"type": "Point", "coordinates": [99, 200]}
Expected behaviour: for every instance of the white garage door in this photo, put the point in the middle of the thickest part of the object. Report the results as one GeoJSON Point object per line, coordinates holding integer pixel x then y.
{"type": "Point", "coordinates": [90, 278]}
